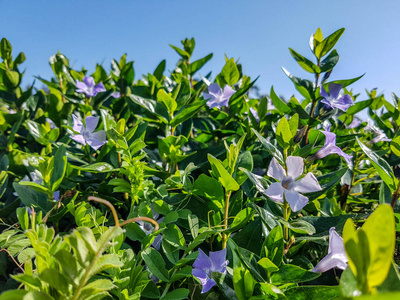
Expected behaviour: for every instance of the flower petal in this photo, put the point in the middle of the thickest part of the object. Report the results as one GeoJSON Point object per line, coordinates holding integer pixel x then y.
{"type": "Point", "coordinates": [295, 166]}
{"type": "Point", "coordinates": [98, 89]}
{"type": "Point", "coordinates": [208, 285]}
{"type": "Point", "coordinates": [95, 143]}
{"type": "Point", "coordinates": [89, 81]}
{"type": "Point", "coordinates": [78, 138]}
{"type": "Point", "coordinates": [56, 195]}
{"type": "Point", "coordinates": [218, 261]}
{"type": "Point", "coordinates": [296, 201]}
{"type": "Point", "coordinates": [275, 191]}
{"type": "Point", "coordinates": [275, 170]}
{"type": "Point", "coordinates": [330, 137]}
{"type": "Point", "coordinates": [323, 92]}
{"type": "Point", "coordinates": [334, 90]}
{"type": "Point", "coordinates": [215, 90]}
{"type": "Point", "coordinates": [329, 262]}
{"type": "Point", "coordinates": [335, 242]}
{"type": "Point", "coordinates": [91, 123]}
{"type": "Point", "coordinates": [202, 261]}
{"type": "Point", "coordinates": [307, 184]}
{"type": "Point", "coordinates": [228, 92]}
{"type": "Point", "coordinates": [77, 124]}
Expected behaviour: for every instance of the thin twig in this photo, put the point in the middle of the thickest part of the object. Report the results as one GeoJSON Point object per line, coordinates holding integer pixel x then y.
{"type": "Point", "coordinates": [105, 202]}
{"type": "Point", "coordinates": [12, 257]}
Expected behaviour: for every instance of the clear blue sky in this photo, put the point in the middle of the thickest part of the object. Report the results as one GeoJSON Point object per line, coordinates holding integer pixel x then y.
{"type": "Point", "coordinates": [257, 32]}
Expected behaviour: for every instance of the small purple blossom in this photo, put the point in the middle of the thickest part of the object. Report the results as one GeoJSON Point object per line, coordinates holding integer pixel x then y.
{"type": "Point", "coordinates": [116, 95]}
{"type": "Point", "coordinates": [148, 228]}
{"type": "Point", "coordinates": [51, 123]}
{"type": "Point", "coordinates": [336, 257]}
{"type": "Point", "coordinates": [354, 124]}
{"type": "Point", "coordinates": [56, 196]}
{"type": "Point", "coordinates": [204, 266]}
{"type": "Point", "coordinates": [336, 99]}
{"type": "Point", "coordinates": [86, 134]}
{"type": "Point", "coordinates": [218, 97]}
{"type": "Point", "coordinates": [288, 187]}
{"type": "Point", "coordinates": [89, 87]}
{"type": "Point", "coordinates": [330, 147]}
{"type": "Point", "coordinates": [29, 210]}
{"type": "Point", "coordinates": [255, 114]}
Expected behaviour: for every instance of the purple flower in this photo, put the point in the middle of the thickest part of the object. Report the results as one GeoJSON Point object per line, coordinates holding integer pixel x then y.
{"type": "Point", "coordinates": [336, 99]}
{"type": "Point", "coordinates": [29, 210]}
{"type": "Point", "coordinates": [204, 266]}
{"type": "Point", "coordinates": [51, 123]}
{"type": "Point", "coordinates": [356, 122]}
{"type": "Point", "coordinates": [255, 114]}
{"type": "Point", "coordinates": [116, 94]}
{"type": "Point", "coordinates": [148, 228]}
{"type": "Point", "coordinates": [88, 86]}
{"type": "Point", "coordinates": [380, 137]}
{"type": "Point", "coordinates": [56, 195]}
{"type": "Point", "coordinates": [86, 134]}
{"type": "Point", "coordinates": [218, 97]}
{"type": "Point", "coordinates": [330, 147]}
{"type": "Point", "coordinates": [288, 187]}
{"type": "Point", "coordinates": [336, 257]}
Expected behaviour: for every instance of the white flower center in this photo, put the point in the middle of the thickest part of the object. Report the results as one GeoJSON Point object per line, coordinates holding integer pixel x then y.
{"type": "Point", "coordinates": [287, 183]}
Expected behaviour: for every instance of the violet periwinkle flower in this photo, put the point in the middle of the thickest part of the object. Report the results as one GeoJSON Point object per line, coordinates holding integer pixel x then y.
{"type": "Point", "coordinates": [354, 124]}
{"type": "Point", "coordinates": [89, 87]}
{"type": "Point", "coordinates": [204, 266]}
{"type": "Point", "coordinates": [288, 187]}
{"type": "Point", "coordinates": [255, 114]}
{"type": "Point", "coordinates": [29, 210]}
{"type": "Point", "coordinates": [56, 196]}
{"type": "Point", "coordinates": [330, 147]}
{"type": "Point", "coordinates": [218, 97]}
{"type": "Point", "coordinates": [336, 257]}
{"type": "Point", "coordinates": [51, 123]}
{"type": "Point", "coordinates": [336, 99]}
{"type": "Point", "coordinates": [116, 95]}
{"type": "Point", "coordinates": [148, 228]}
{"type": "Point", "coordinates": [86, 134]}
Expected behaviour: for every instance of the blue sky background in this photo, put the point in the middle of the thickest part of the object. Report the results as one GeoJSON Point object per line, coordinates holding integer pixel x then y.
{"type": "Point", "coordinates": [257, 32]}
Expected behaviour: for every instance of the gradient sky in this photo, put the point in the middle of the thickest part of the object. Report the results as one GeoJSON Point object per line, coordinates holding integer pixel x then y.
{"type": "Point", "coordinates": [257, 32]}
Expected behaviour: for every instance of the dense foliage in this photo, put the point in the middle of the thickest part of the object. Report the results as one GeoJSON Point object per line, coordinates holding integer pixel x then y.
{"type": "Point", "coordinates": [177, 186]}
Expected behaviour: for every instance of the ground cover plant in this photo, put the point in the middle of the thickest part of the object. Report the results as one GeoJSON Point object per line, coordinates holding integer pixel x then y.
{"type": "Point", "coordinates": [186, 185]}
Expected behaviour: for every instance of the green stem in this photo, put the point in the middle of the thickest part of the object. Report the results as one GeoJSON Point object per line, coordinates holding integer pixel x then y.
{"type": "Point", "coordinates": [286, 215]}
{"type": "Point", "coordinates": [226, 215]}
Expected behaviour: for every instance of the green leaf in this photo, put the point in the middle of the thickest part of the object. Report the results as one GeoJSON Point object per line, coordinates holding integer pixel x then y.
{"type": "Point", "coordinates": [344, 83]}
{"type": "Point", "coordinates": [269, 147]}
{"type": "Point", "coordinates": [60, 166]}
{"type": "Point", "coordinates": [177, 294]}
{"type": "Point", "coordinates": [326, 182]}
{"type": "Point", "coordinates": [55, 279]}
{"type": "Point", "coordinates": [173, 235]}
{"type": "Point", "coordinates": [210, 189]}
{"type": "Point", "coordinates": [33, 198]}
{"type": "Point", "coordinates": [155, 263]}
{"type": "Point", "coordinates": [370, 249]}
{"type": "Point", "coordinates": [280, 105]}
{"type": "Point", "coordinates": [198, 64]}
{"type": "Point", "coordinates": [294, 124]}
{"type": "Point", "coordinates": [5, 49]}
{"type": "Point", "coordinates": [313, 292]}
{"type": "Point", "coordinates": [222, 175]}
{"type": "Point", "coordinates": [181, 52]}
{"type": "Point", "coordinates": [283, 133]}
{"type": "Point", "coordinates": [13, 295]}
{"type": "Point", "coordinates": [38, 132]}
{"type": "Point", "coordinates": [100, 167]}
{"type": "Point", "coordinates": [359, 106]}
{"type": "Point", "coordinates": [275, 245]}
{"type": "Point", "coordinates": [305, 63]}
{"type": "Point", "coordinates": [328, 43]}
{"type": "Point", "coordinates": [168, 101]}
{"type": "Point", "coordinates": [304, 86]}
{"type": "Point", "coordinates": [395, 146]}
{"type": "Point", "coordinates": [187, 112]}
{"type": "Point", "coordinates": [381, 165]}
{"type": "Point", "coordinates": [330, 61]}
{"type": "Point", "coordinates": [158, 72]}
{"type": "Point", "coordinates": [230, 73]}
{"type": "Point", "coordinates": [23, 217]}
{"type": "Point", "coordinates": [292, 274]}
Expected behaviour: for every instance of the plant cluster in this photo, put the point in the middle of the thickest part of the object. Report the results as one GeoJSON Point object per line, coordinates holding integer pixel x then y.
{"type": "Point", "coordinates": [182, 186]}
